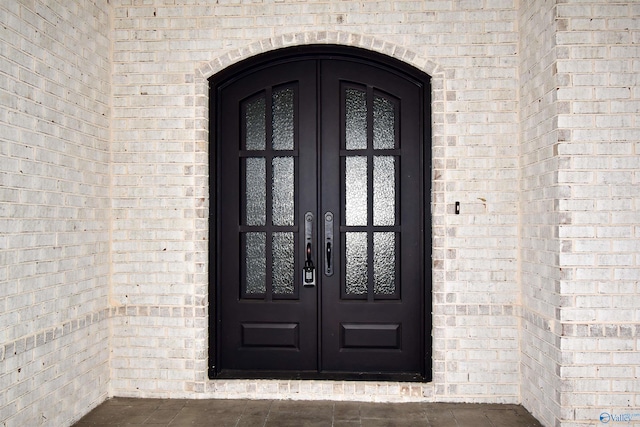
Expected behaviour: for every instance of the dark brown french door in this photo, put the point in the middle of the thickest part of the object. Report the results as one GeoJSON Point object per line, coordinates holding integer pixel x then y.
{"type": "Point", "coordinates": [320, 221]}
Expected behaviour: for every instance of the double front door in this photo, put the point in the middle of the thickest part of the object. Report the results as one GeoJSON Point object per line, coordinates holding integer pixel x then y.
{"type": "Point", "coordinates": [320, 221]}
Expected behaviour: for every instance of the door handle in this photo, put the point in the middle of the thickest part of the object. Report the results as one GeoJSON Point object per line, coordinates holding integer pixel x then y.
{"type": "Point", "coordinates": [328, 243]}
{"type": "Point", "coordinates": [309, 270]}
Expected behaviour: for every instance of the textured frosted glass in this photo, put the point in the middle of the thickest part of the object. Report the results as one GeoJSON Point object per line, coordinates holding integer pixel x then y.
{"type": "Point", "coordinates": [282, 119]}
{"type": "Point", "coordinates": [384, 190]}
{"type": "Point", "coordinates": [383, 124]}
{"type": "Point", "coordinates": [255, 191]}
{"type": "Point", "coordinates": [282, 185]}
{"type": "Point", "coordinates": [283, 263]}
{"type": "Point", "coordinates": [384, 263]}
{"type": "Point", "coordinates": [255, 263]}
{"type": "Point", "coordinates": [356, 263]}
{"type": "Point", "coordinates": [356, 119]}
{"type": "Point", "coordinates": [255, 125]}
{"type": "Point", "coordinates": [356, 190]}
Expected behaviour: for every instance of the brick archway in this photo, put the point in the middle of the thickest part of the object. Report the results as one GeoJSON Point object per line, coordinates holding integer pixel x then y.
{"type": "Point", "coordinates": [242, 388]}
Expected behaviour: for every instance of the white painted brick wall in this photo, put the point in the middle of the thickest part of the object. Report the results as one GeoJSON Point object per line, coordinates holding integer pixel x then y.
{"type": "Point", "coordinates": [535, 130]}
{"type": "Point", "coordinates": [579, 126]}
{"type": "Point", "coordinates": [538, 192]}
{"type": "Point", "coordinates": [598, 78]}
{"type": "Point", "coordinates": [54, 209]}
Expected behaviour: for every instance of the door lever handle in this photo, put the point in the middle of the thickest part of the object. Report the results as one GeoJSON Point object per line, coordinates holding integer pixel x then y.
{"type": "Point", "coordinates": [328, 244]}
{"type": "Point", "coordinates": [309, 270]}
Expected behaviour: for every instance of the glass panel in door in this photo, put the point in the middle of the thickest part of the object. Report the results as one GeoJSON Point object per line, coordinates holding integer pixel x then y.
{"type": "Point", "coordinates": [370, 182]}
{"type": "Point", "coordinates": [269, 204]}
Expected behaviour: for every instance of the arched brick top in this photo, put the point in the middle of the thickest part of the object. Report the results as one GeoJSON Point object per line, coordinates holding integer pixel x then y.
{"type": "Point", "coordinates": [438, 136]}
{"type": "Point", "coordinates": [319, 37]}
{"type": "Point", "coordinates": [438, 99]}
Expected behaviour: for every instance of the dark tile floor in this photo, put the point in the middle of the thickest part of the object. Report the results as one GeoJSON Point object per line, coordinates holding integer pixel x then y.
{"type": "Point", "coordinates": [284, 413]}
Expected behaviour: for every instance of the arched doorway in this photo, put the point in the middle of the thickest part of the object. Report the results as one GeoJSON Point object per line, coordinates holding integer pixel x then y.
{"type": "Point", "coordinates": [320, 161]}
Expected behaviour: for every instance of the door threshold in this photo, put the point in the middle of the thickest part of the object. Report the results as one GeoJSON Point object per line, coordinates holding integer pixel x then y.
{"type": "Point", "coordinates": [313, 375]}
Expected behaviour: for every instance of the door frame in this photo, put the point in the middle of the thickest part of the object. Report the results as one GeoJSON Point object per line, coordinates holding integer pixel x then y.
{"type": "Point", "coordinates": [284, 55]}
